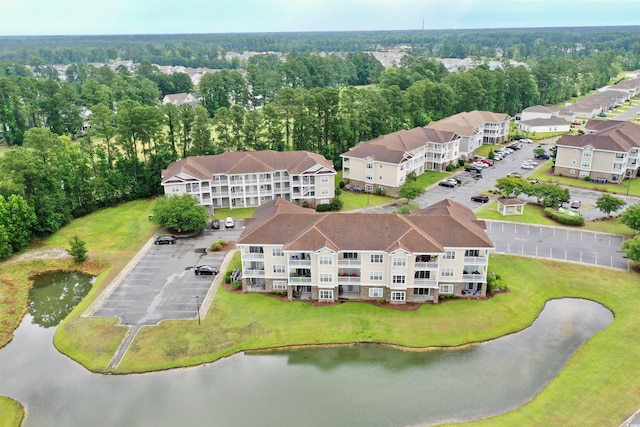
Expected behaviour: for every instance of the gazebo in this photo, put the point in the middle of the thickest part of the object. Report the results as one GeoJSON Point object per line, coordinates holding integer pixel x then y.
{"type": "Point", "coordinates": [510, 206]}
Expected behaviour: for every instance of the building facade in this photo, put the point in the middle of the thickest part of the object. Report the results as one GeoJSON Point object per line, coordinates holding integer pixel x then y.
{"type": "Point", "coordinates": [249, 179]}
{"type": "Point", "coordinates": [608, 152]}
{"type": "Point", "coordinates": [386, 161]}
{"type": "Point", "coordinates": [440, 250]}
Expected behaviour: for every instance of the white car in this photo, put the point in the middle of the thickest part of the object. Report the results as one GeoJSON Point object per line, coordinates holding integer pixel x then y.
{"type": "Point", "coordinates": [480, 165]}
{"type": "Point", "coordinates": [526, 141]}
{"type": "Point", "coordinates": [229, 223]}
{"type": "Point", "coordinates": [530, 162]}
{"type": "Point", "coordinates": [527, 166]}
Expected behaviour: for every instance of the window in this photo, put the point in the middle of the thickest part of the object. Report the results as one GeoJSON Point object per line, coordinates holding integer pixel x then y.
{"type": "Point", "coordinates": [324, 179]}
{"type": "Point", "coordinates": [369, 177]}
{"type": "Point", "coordinates": [175, 188]}
{"type": "Point", "coordinates": [399, 262]}
{"type": "Point", "coordinates": [585, 165]}
{"type": "Point", "coordinates": [326, 260]}
{"type": "Point", "coordinates": [421, 291]}
{"type": "Point", "coordinates": [277, 252]}
{"type": "Point", "coordinates": [447, 272]}
{"type": "Point", "coordinates": [279, 285]}
{"type": "Point", "coordinates": [398, 296]}
{"type": "Point", "coordinates": [472, 252]}
{"type": "Point", "coordinates": [586, 153]}
{"type": "Point", "coordinates": [399, 279]}
{"type": "Point", "coordinates": [368, 188]}
{"type": "Point", "coordinates": [278, 268]}
{"type": "Point", "coordinates": [350, 255]}
{"type": "Point", "coordinates": [256, 249]}
{"type": "Point", "coordinates": [369, 165]}
{"type": "Point", "coordinates": [326, 278]}
{"type": "Point", "coordinates": [376, 292]}
{"type": "Point", "coordinates": [324, 192]}
{"type": "Point", "coordinates": [326, 294]}
{"type": "Point", "coordinates": [422, 274]}
{"type": "Point", "coordinates": [572, 172]}
{"type": "Point", "coordinates": [375, 276]}
{"type": "Point", "coordinates": [450, 255]}
{"type": "Point", "coordinates": [446, 288]}
{"type": "Point", "coordinates": [376, 259]}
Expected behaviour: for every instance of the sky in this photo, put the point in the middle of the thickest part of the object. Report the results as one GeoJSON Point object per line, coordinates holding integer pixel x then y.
{"type": "Point", "coordinates": [71, 17]}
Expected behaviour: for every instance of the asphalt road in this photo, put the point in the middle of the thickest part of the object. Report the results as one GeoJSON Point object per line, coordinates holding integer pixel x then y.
{"type": "Point", "coordinates": [162, 284]}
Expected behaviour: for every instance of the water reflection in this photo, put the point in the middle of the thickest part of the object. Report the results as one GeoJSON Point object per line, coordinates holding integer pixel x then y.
{"type": "Point", "coordinates": [54, 295]}
{"type": "Point", "coordinates": [364, 385]}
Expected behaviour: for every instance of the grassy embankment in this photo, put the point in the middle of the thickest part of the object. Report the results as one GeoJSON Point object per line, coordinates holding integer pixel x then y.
{"type": "Point", "coordinates": [11, 412]}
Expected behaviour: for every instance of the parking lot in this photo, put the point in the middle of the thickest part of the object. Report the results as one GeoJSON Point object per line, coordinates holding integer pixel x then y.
{"type": "Point", "coordinates": [560, 244]}
{"type": "Point", "coordinates": [161, 284]}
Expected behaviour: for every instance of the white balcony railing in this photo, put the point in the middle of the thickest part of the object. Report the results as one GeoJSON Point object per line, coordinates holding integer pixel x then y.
{"type": "Point", "coordinates": [299, 263]}
{"type": "Point", "coordinates": [474, 277]}
{"type": "Point", "coordinates": [475, 260]}
{"type": "Point", "coordinates": [252, 256]}
{"type": "Point", "coordinates": [425, 282]}
{"type": "Point", "coordinates": [349, 280]}
{"type": "Point", "coordinates": [349, 262]}
{"type": "Point", "coordinates": [426, 265]}
{"type": "Point", "coordinates": [253, 273]}
{"type": "Point", "coordinates": [299, 279]}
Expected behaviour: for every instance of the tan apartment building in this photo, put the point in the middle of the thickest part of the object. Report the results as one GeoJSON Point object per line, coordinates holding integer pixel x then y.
{"type": "Point", "coordinates": [475, 128]}
{"type": "Point", "coordinates": [440, 250]}
{"type": "Point", "coordinates": [386, 161]}
{"type": "Point", "coordinates": [251, 178]}
{"type": "Point", "coordinates": [608, 152]}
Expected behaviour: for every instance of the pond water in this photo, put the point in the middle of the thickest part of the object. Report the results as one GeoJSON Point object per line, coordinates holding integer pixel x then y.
{"type": "Point", "coordinates": [362, 385]}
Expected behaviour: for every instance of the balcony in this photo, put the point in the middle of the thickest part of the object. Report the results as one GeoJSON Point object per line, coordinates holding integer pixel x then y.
{"type": "Point", "coordinates": [432, 283]}
{"type": "Point", "coordinates": [299, 279]}
{"type": "Point", "coordinates": [474, 277]}
{"type": "Point", "coordinates": [475, 260]}
{"type": "Point", "coordinates": [426, 265]}
{"type": "Point", "coordinates": [349, 280]}
{"type": "Point", "coordinates": [252, 256]}
{"type": "Point", "coordinates": [350, 262]}
{"type": "Point", "coordinates": [253, 273]}
{"type": "Point", "coordinates": [299, 263]}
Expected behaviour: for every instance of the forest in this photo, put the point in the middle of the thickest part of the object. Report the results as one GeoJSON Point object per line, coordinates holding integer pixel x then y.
{"type": "Point", "coordinates": [326, 102]}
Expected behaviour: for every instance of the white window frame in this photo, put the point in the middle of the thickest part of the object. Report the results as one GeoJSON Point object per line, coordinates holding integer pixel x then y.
{"type": "Point", "coordinates": [446, 288]}
{"type": "Point", "coordinates": [446, 272]}
{"type": "Point", "coordinates": [399, 279]}
{"type": "Point", "coordinates": [397, 296]}
{"type": "Point", "coordinates": [368, 177]}
{"type": "Point", "coordinates": [376, 258]}
{"type": "Point", "coordinates": [325, 294]}
{"type": "Point", "coordinates": [375, 276]}
{"type": "Point", "coordinates": [450, 255]}
{"type": "Point", "coordinates": [277, 252]}
{"type": "Point", "coordinates": [326, 278]}
{"type": "Point", "coordinates": [326, 260]}
{"type": "Point", "coordinates": [175, 189]}
{"type": "Point", "coordinates": [279, 268]}
{"type": "Point", "coordinates": [376, 292]}
{"type": "Point", "coordinates": [279, 285]}
{"type": "Point", "coordinates": [324, 179]}
{"type": "Point", "coordinates": [399, 261]}
{"type": "Point", "coordinates": [369, 165]}
{"type": "Point", "coordinates": [324, 192]}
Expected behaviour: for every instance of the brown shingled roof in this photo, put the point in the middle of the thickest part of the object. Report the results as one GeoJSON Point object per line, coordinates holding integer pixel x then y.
{"type": "Point", "coordinates": [612, 135]}
{"type": "Point", "coordinates": [466, 123]}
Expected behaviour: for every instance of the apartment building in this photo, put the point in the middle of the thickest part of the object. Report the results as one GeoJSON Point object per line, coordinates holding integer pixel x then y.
{"type": "Point", "coordinates": [475, 128]}
{"type": "Point", "coordinates": [386, 161]}
{"type": "Point", "coordinates": [251, 178]}
{"type": "Point", "coordinates": [608, 152]}
{"type": "Point", "coordinates": [440, 250]}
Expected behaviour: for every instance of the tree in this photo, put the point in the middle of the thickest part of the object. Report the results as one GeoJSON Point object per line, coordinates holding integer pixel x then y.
{"type": "Point", "coordinates": [410, 190]}
{"type": "Point", "coordinates": [77, 249]}
{"type": "Point", "coordinates": [550, 195]}
{"type": "Point", "coordinates": [631, 217]}
{"type": "Point", "coordinates": [182, 213]}
{"type": "Point", "coordinates": [631, 247]}
{"type": "Point", "coordinates": [539, 151]}
{"type": "Point", "coordinates": [608, 203]}
{"type": "Point", "coordinates": [512, 186]}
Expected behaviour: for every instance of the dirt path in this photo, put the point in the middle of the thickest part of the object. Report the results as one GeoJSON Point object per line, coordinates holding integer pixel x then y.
{"type": "Point", "coordinates": [51, 253]}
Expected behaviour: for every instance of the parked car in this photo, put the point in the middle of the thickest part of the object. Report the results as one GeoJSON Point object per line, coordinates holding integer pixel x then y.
{"type": "Point", "coordinates": [471, 168]}
{"type": "Point", "coordinates": [542, 156]}
{"type": "Point", "coordinates": [526, 141]}
{"type": "Point", "coordinates": [527, 166]}
{"type": "Point", "coordinates": [576, 123]}
{"type": "Point", "coordinates": [513, 175]}
{"type": "Point", "coordinates": [206, 269]}
{"type": "Point", "coordinates": [480, 165]}
{"type": "Point", "coordinates": [229, 223]}
{"type": "Point", "coordinates": [497, 156]}
{"type": "Point", "coordinates": [602, 115]}
{"type": "Point", "coordinates": [165, 240]}
{"type": "Point", "coordinates": [448, 183]}
{"type": "Point", "coordinates": [530, 162]}
{"type": "Point", "coordinates": [576, 204]}
{"type": "Point", "coordinates": [515, 146]}
{"type": "Point", "coordinates": [215, 224]}
{"type": "Point", "coordinates": [487, 161]}
{"type": "Point", "coordinates": [480, 198]}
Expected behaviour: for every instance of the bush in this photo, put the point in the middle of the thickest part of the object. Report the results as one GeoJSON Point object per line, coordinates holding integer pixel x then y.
{"type": "Point", "coordinates": [216, 246]}
{"type": "Point", "coordinates": [323, 207]}
{"type": "Point", "coordinates": [380, 191]}
{"type": "Point", "coordinates": [342, 184]}
{"type": "Point", "coordinates": [495, 283]}
{"type": "Point", "coordinates": [587, 178]}
{"type": "Point", "coordinates": [450, 167]}
{"type": "Point", "coordinates": [78, 249]}
{"type": "Point", "coordinates": [563, 218]}
{"type": "Point", "coordinates": [337, 192]}
{"type": "Point", "coordinates": [236, 285]}
{"type": "Point", "coordinates": [461, 162]}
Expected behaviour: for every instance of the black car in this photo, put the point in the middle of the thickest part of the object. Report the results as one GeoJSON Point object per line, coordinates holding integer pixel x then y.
{"type": "Point", "coordinates": [543, 156]}
{"type": "Point", "coordinates": [480, 198]}
{"type": "Point", "coordinates": [215, 224]}
{"type": "Point", "coordinates": [471, 168]}
{"type": "Point", "coordinates": [206, 269]}
{"type": "Point", "coordinates": [165, 240]}
{"type": "Point", "coordinates": [447, 183]}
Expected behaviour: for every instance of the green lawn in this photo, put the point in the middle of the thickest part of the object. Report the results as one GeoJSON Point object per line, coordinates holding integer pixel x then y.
{"type": "Point", "coordinates": [222, 213]}
{"type": "Point", "coordinates": [543, 173]}
{"type": "Point", "coordinates": [11, 412]}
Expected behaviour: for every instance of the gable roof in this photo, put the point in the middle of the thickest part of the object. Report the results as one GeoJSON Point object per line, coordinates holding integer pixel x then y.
{"type": "Point", "coordinates": [393, 147]}
{"type": "Point", "coordinates": [611, 135]}
{"type": "Point", "coordinates": [467, 123]}
{"type": "Point", "coordinates": [551, 121]}
{"type": "Point", "coordinates": [539, 109]}
{"type": "Point", "coordinates": [242, 162]}
{"type": "Point", "coordinates": [445, 224]}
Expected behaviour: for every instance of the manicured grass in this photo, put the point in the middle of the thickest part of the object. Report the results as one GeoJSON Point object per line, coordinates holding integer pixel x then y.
{"type": "Point", "coordinates": [11, 412]}
{"type": "Point", "coordinates": [532, 214]}
{"type": "Point", "coordinates": [351, 201]}
{"type": "Point", "coordinates": [222, 213]}
{"type": "Point", "coordinates": [543, 173]}
{"type": "Point", "coordinates": [429, 178]}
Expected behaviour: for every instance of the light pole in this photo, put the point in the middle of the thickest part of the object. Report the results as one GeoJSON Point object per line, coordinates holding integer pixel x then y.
{"type": "Point", "coordinates": [198, 305]}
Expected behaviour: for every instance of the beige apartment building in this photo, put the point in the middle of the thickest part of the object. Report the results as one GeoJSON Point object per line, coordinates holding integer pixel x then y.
{"type": "Point", "coordinates": [475, 128]}
{"type": "Point", "coordinates": [608, 152]}
{"type": "Point", "coordinates": [386, 161]}
{"type": "Point", "coordinates": [251, 178]}
{"type": "Point", "coordinates": [440, 250]}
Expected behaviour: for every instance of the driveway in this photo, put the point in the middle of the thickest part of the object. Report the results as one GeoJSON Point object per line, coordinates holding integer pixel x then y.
{"type": "Point", "coordinates": [160, 284]}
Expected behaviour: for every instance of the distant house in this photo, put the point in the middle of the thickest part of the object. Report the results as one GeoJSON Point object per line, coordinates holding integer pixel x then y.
{"type": "Point", "coordinates": [475, 128]}
{"type": "Point", "coordinates": [439, 250]}
{"type": "Point", "coordinates": [178, 99]}
{"type": "Point", "coordinates": [386, 161]}
{"type": "Point", "coordinates": [609, 151]}
{"type": "Point", "coordinates": [552, 124]}
{"type": "Point", "coordinates": [251, 178]}
{"type": "Point", "coordinates": [538, 112]}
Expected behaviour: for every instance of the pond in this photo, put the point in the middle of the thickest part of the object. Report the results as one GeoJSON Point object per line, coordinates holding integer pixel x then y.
{"type": "Point", "coordinates": [361, 385]}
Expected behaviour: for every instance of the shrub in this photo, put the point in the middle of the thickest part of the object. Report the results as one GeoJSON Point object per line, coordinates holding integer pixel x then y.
{"type": "Point", "coordinates": [380, 301]}
{"type": "Point", "coordinates": [337, 192]}
{"type": "Point", "coordinates": [563, 218]}
{"type": "Point", "coordinates": [236, 285]}
{"type": "Point", "coordinates": [450, 167]}
{"type": "Point", "coordinates": [78, 249]}
{"type": "Point", "coordinates": [342, 184]}
{"type": "Point", "coordinates": [461, 162]}
{"type": "Point", "coordinates": [587, 178]}
{"type": "Point", "coordinates": [495, 282]}
{"type": "Point", "coordinates": [217, 245]}
{"type": "Point", "coordinates": [323, 207]}
{"type": "Point", "coordinates": [380, 191]}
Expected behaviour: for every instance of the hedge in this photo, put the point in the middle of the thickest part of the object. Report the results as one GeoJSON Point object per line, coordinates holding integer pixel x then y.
{"type": "Point", "coordinates": [564, 218]}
